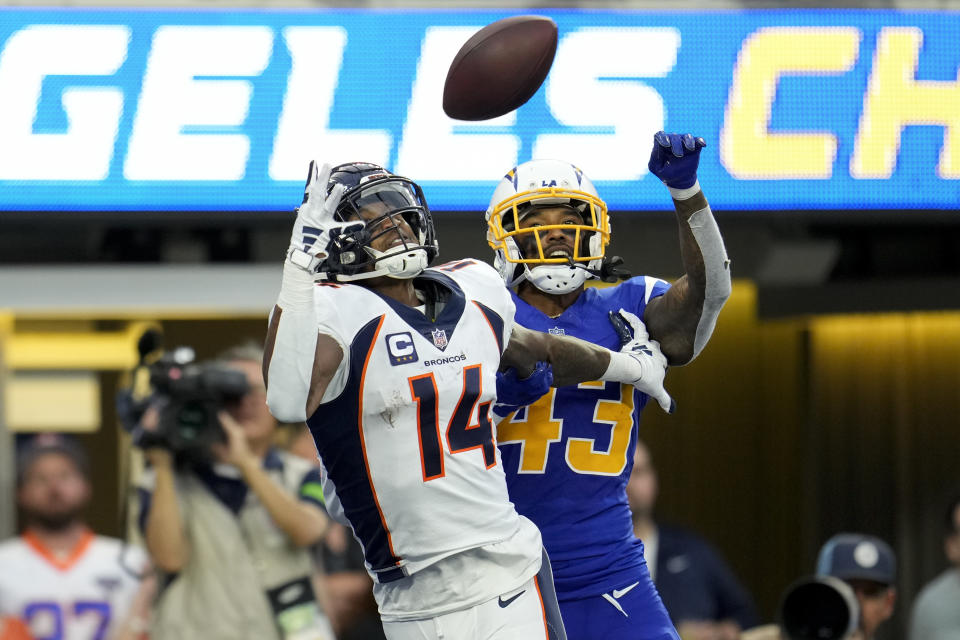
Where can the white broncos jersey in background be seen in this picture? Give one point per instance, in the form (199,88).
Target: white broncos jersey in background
(83,597)
(407,444)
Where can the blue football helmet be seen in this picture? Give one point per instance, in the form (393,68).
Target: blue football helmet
(379,202)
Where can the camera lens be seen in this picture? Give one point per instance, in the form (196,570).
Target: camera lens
(819,608)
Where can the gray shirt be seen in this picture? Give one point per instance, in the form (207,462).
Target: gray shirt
(235,558)
(936,612)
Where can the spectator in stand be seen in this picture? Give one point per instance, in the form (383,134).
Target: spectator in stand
(700,592)
(868,565)
(58,576)
(936,614)
(231,533)
(343,579)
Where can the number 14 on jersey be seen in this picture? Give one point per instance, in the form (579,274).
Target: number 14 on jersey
(460,434)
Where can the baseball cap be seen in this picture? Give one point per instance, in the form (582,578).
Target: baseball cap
(856,556)
(47,443)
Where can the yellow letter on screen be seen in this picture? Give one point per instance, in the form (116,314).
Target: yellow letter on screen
(747,148)
(895,99)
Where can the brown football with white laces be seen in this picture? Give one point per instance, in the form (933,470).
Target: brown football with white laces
(500,67)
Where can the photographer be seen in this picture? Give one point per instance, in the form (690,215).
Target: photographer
(229,527)
(850,597)
(868,565)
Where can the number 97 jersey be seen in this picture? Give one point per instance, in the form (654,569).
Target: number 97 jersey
(568,456)
(85,596)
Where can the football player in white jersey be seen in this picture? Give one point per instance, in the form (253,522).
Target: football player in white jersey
(62,580)
(393,366)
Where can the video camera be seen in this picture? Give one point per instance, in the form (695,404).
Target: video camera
(820,608)
(186,394)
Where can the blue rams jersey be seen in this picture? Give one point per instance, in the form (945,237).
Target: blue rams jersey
(568,456)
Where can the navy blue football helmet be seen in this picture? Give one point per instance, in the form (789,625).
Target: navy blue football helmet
(380,203)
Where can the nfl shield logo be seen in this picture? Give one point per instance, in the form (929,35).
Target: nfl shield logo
(108,583)
(439,338)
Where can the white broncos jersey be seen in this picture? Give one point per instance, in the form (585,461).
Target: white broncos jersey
(83,597)
(404,431)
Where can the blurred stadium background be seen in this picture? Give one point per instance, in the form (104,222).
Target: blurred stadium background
(150,157)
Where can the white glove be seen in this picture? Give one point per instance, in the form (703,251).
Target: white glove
(315,222)
(640,356)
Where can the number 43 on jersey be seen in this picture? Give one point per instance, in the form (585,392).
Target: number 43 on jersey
(540,427)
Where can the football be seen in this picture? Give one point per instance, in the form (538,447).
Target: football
(500,67)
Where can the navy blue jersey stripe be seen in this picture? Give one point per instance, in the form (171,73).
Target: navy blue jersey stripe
(337,429)
(496,323)
(548,599)
(449,316)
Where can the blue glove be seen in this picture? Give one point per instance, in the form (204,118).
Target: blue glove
(514,392)
(674,159)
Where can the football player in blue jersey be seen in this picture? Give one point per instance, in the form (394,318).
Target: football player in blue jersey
(568,454)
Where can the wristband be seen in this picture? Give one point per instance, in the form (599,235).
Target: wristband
(296,288)
(302,259)
(685,194)
(622,368)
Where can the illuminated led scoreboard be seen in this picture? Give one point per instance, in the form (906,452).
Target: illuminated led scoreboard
(210,110)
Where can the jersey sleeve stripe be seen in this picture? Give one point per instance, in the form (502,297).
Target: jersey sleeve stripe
(494,321)
(363,446)
(337,430)
(654,288)
(456,265)
(543,609)
(552,620)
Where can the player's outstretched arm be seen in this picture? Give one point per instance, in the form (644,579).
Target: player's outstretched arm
(683,319)
(574,361)
(298,361)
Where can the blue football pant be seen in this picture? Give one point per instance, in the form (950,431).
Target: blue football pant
(632,611)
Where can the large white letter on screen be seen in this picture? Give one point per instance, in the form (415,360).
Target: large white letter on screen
(579,96)
(172,99)
(303,133)
(84,150)
(436,147)
(747,148)
(896,99)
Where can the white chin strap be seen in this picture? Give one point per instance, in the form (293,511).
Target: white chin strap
(401,265)
(404,265)
(556,278)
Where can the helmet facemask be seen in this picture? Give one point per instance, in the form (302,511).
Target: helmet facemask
(521,253)
(388,207)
